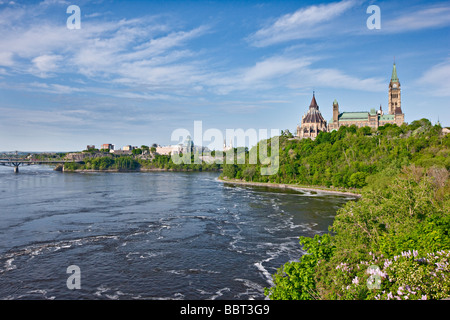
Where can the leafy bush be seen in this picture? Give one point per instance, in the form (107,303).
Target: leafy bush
(399,233)
(71,166)
(296,280)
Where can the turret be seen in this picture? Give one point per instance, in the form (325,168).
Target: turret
(395,105)
(335,111)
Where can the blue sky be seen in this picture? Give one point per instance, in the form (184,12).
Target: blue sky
(137,70)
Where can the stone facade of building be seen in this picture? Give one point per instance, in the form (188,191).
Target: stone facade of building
(313,123)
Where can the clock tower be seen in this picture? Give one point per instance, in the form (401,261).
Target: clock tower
(395,103)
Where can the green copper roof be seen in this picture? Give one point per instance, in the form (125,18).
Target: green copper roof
(335,101)
(352,116)
(386,117)
(394,77)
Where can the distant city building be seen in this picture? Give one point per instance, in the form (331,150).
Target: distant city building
(107,146)
(229,147)
(186,147)
(129,148)
(313,122)
(168,150)
(90,147)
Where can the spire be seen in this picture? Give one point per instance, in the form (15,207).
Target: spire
(394,77)
(313,104)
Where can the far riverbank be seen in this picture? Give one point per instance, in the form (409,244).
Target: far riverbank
(138,169)
(290,186)
(134,170)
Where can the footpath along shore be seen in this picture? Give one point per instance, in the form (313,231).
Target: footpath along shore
(289,186)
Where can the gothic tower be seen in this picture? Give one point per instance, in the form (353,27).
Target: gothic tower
(395,103)
(312,122)
(335,111)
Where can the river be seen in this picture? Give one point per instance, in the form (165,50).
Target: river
(153,235)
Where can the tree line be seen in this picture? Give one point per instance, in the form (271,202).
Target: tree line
(132,163)
(352,157)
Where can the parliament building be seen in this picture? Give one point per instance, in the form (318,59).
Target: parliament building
(313,122)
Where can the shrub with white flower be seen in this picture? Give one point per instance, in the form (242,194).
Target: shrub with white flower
(405,277)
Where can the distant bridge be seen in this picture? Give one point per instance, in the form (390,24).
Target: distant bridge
(16,162)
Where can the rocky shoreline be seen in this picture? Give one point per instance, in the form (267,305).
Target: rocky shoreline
(289,186)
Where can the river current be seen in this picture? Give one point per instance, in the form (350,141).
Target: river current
(154,235)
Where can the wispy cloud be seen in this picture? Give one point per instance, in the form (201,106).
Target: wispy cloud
(292,72)
(45,64)
(437,78)
(130,52)
(303,23)
(433,16)
(6,58)
(259,76)
(148,58)
(334,78)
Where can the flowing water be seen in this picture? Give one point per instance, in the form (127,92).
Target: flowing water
(155,235)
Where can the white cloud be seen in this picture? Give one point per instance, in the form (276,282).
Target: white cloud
(431,17)
(437,79)
(288,72)
(54,2)
(132,52)
(6,59)
(93,15)
(46,63)
(273,67)
(259,76)
(304,23)
(162,44)
(42,117)
(149,59)
(50,88)
(155,61)
(334,78)
(11,16)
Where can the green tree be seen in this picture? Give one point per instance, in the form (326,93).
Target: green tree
(249,173)
(357,180)
(297,280)
(126,163)
(229,171)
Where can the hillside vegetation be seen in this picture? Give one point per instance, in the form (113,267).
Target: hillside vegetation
(394,242)
(353,157)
